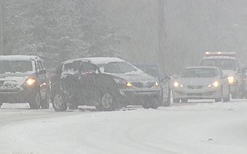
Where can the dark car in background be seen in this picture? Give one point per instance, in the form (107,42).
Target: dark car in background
(107,83)
(158,72)
(24,79)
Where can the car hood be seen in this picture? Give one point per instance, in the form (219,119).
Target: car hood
(17,79)
(229,72)
(197,81)
(135,77)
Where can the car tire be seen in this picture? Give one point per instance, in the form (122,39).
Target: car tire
(107,102)
(154,103)
(227,98)
(146,105)
(59,102)
(218,99)
(45,103)
(176,100)
(168,102)
(35,101)
(184,100)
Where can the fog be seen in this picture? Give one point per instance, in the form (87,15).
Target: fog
(57,30)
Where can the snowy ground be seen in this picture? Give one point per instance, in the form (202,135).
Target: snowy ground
(192,128)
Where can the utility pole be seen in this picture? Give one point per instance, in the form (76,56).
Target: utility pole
(1,28)
(161,31)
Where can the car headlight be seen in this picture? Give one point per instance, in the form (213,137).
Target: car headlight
(177,84)
(123,82)
(156,83)
(30,81)
(214,84)
(230,79)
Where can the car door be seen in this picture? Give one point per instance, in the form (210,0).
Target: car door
(87,79)
(163,79)
(225,84)
(43,79)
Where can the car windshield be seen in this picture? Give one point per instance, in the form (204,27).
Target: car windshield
(118,67)
(15,66)
(199,73)
(151,70)
(224,64)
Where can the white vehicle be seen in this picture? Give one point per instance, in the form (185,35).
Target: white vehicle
(230,65)
(24,79)
(200,82)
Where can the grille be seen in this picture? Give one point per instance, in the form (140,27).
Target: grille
(195,87)
(142,85)
(138,84)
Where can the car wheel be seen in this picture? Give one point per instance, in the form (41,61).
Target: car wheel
(184,100)
(168,102)
(146,105)
(218,99)
(35,101)
(227,98)
(45,103)
(58,102)
(235,94)
(107,102)
(176,100)
(154,103)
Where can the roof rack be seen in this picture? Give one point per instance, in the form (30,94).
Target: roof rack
(220,53)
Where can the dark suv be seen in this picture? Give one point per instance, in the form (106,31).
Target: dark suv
(24,79)
(156,70)
(107,83)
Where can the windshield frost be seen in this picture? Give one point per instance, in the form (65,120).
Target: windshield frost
(224,64)
(15,66)
(199,73)
(118,67)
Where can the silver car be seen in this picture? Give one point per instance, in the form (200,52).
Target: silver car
(200,82)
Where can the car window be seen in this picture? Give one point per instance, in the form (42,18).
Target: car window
(40,65)
(87,67)
(224,64)
(15,66)
(119,67)
(199,73)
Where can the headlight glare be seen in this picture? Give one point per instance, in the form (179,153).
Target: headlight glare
(214,84)
(128,84)
(30,81)
(177,84)
(230,79)
(156,83)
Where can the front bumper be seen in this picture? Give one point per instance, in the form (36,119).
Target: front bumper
(139,96)
(16,95)
(203,93)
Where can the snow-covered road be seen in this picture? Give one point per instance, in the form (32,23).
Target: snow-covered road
(193,128)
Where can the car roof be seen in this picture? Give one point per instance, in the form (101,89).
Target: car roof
(19,57)
(214,67)
(96,60)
